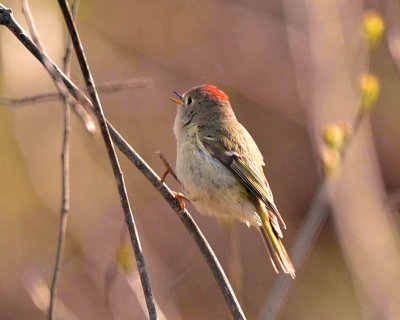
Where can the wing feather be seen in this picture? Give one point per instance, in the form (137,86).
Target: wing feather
(248,174)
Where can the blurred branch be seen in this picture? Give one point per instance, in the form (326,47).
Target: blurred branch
(310,227)
(367,228)
(83,109)
(394,199)
(105,87)
(121,264)
(64,159)
(212,261)
(318,210)
(129,219)
(39,293)
(392,14)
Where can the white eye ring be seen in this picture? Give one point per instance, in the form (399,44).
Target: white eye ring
(188,101)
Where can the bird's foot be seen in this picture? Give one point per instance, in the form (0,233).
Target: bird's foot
(180,197)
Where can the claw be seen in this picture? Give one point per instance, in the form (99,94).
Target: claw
(180,197)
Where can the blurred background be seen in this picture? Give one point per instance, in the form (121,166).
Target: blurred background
(290,69)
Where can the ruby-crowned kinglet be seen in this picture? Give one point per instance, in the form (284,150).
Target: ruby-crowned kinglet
(220,167)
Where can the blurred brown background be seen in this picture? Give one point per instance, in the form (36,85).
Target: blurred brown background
(289,67)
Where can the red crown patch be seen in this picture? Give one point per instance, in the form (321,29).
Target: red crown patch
(215,92)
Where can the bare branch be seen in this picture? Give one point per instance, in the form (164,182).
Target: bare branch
(219,274)
(105,87)
(112,156)
(65,178)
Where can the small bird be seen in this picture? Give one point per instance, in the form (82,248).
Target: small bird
(220,168)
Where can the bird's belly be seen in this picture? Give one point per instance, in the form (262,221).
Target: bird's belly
(211,187)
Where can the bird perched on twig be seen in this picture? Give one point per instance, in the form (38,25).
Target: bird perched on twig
(220,167)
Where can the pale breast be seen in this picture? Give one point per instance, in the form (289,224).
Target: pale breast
(199,171)
(212,188)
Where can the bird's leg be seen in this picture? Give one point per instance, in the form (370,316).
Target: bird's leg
(168,170)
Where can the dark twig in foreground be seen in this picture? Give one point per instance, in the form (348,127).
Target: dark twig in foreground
(112,155)
(187,220)
(106,87)
(65,177)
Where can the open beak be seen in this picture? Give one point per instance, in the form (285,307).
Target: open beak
(179,100)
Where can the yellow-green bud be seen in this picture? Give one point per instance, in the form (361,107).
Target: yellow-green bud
(373,27)
(370,89)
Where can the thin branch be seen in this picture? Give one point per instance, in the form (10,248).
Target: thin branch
(65,178)
(31,24)
(7,20)
(112,156)
(105,87)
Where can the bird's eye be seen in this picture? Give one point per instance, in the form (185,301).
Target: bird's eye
(189,101)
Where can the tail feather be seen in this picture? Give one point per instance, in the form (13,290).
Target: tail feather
(276,250)
(270,250)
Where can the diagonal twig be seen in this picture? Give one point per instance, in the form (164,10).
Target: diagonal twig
(105,87)
(7,20)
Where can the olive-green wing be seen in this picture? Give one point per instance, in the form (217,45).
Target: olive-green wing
(246,171)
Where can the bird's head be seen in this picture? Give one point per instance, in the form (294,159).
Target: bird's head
(201,105)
